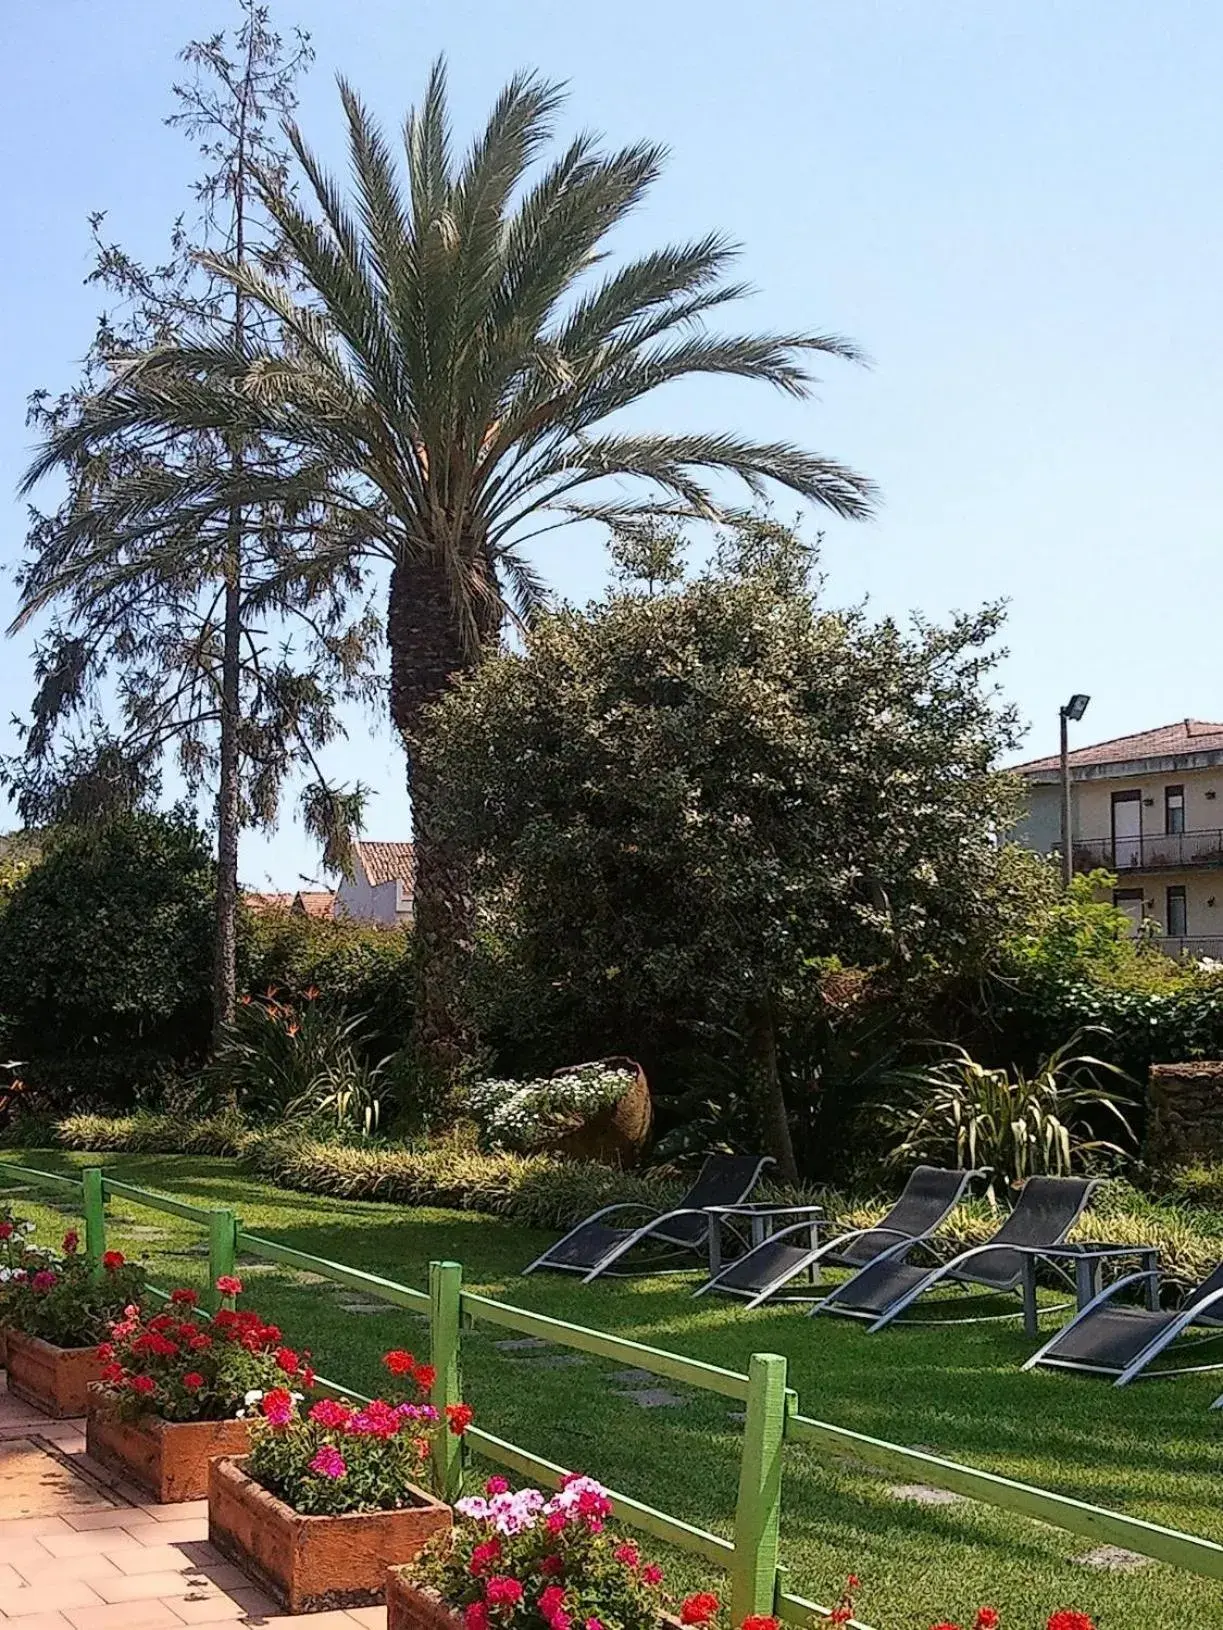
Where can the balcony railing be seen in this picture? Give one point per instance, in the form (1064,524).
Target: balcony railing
(1192,948)
(1152,852)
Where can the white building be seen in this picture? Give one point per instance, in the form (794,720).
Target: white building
(380,888)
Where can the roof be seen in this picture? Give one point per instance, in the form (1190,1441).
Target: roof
(264,903)
(386,862)
(315,902)
(1168,741)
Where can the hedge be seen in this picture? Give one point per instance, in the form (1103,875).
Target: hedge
(540,1191)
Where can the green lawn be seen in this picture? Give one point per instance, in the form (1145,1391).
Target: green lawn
(1152,1450)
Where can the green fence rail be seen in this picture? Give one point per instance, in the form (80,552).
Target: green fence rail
(771,1417)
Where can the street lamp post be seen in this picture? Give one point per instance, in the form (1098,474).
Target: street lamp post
(1074,709)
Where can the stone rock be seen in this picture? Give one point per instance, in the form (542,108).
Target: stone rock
(1184,1113)
(1113,1559)
(924,1494)
(651,1397)
(522,1344)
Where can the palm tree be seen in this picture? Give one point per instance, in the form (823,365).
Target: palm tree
(450,381)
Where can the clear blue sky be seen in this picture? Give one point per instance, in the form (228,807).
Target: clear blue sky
(1016,208)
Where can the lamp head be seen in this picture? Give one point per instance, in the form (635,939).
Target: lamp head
(1076,706)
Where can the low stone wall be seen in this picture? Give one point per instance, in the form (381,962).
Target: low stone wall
(1184,1113)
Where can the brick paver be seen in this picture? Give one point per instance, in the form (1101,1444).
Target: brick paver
(105,1558)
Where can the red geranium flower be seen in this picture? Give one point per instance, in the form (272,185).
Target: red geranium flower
(551,1566)
(288,1360)
(277,1407)
(460,1417)
(651,1574)
(484,1556)
(399,1362)
(628,1554)
(72,1241)
(112,1373)
(113,1260)
(760,1621)
(502,1591)
(1068,1619)
(185,1297)
(987,1619)
(193,1381)
(229,1284)
(6,1229)
(698,1609)
(426,1375)
(143,1384)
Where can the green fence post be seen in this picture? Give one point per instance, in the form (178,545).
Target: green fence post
(758,1509)
(222,1247)
(94,1207)
(445,1291)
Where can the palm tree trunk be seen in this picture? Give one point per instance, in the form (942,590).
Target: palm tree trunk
(427,654)
(225,944)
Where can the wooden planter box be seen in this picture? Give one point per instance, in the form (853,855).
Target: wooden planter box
(310,1564)
(412,1607)
(55,1379)
(168,1458)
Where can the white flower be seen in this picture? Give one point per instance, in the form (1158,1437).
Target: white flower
(252,1397)
(5,1275)
(28,1227)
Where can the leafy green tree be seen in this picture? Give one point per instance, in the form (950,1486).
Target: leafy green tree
(448,382)
(679,796)
(178,628)
(105,944)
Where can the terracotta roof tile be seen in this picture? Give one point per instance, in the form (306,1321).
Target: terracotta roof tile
(315,902)
(1168,741)
(263,903)
(386,862)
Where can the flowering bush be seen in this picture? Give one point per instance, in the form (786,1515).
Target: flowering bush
(173,1366)
(522,1561)
(525,1114)
(339,1457)
(60,1299)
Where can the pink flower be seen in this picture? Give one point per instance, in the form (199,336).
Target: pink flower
(475,1616)
(328,1462)
(483,1557)
(594,1624)
(502,1591)
(72,1242)
(277,1407)
(496,1485)
(628,1554)
(551,1600)
(44,1279)
(651,1574)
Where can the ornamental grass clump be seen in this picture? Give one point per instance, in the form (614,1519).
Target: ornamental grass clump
(338,1457)
(175,1366)
(524,1561)
(65,1299)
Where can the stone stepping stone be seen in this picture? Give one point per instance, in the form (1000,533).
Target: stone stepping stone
(552,1361)
(522,1344)
(367,1309)
(633,1378)
(651,1397)
(141,1231)
(737,1415)
(925,1494)
(1113,1559)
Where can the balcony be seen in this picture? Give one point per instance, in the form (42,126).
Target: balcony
(1152,852)
(1193,948)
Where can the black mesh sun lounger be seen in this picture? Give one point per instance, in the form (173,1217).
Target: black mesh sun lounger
(929,1197)
(1119,1340)
(1047,1209)
(596,1245)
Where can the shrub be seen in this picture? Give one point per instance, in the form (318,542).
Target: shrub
(169,1365)
(528,1114)
(966,1115)
(148,1133)
(106,949)
(60,1300)
(339,1458)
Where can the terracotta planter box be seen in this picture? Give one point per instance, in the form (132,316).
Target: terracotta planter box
(3,1347)
(168,1458)
(55,1379)
(310,1564)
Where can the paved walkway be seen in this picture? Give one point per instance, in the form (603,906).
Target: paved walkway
(81,1551)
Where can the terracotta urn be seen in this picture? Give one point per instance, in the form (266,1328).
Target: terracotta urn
(54,1379)
(310,1564)
(618,1134)
(167,1458)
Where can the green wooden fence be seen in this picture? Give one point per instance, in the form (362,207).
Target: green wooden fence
(772,1417)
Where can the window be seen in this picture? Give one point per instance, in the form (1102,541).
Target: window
(1131,902)
(1174,810)
(1178,913)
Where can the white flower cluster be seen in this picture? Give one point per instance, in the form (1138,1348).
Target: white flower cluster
(525,1114)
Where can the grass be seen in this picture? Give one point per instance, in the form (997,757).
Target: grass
(1152,1451)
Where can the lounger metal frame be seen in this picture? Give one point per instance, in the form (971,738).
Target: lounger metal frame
(828,1248)
(1022,1281)
(655,1228)
(1190,1315)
